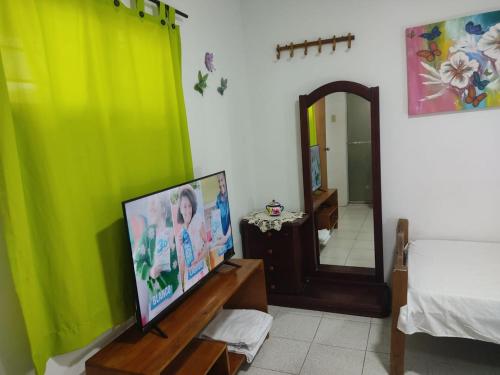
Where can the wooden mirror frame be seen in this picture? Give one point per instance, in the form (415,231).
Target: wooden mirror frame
(311,258)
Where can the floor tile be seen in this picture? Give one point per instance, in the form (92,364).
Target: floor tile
(334,261)
(363,244)
(252,370)
(273,310)
(346,235)
(386,321)
(365,236)
(295,326)
(280,354)
(379,339)
(376,364)
(340,243)
(343,333)
(362,254)
(350,227)
(335,252)
(367,263)
(301,311)
(352,318)
(327,360)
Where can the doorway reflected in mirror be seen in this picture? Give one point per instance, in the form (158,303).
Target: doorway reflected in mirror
(340,129)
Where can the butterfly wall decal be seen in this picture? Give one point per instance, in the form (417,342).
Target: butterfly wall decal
(202,83)
(435,32)
(223,86)
(474,29)
(472,98)
(431,53)
(476,81)
(209,61)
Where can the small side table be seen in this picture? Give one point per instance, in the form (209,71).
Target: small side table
(281,251)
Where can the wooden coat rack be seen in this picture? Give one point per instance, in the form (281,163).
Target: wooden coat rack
(320,42)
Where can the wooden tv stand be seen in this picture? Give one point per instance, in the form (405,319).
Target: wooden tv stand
(182,353)
(325,207)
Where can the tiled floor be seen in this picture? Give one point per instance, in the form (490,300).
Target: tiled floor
(310,342)
(352,243)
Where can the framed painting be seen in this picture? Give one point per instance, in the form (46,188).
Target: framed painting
(454,65)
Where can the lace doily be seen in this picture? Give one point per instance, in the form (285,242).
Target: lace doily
(266,222)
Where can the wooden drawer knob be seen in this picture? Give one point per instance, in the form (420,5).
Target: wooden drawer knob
(273,286)
(269,234)
(271,268)
(269,251)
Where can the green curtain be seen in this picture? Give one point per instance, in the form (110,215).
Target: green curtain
(311,117)
(91,114)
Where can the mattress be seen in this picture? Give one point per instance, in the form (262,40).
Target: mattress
(453,290)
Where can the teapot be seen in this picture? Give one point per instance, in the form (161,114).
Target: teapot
(275,208)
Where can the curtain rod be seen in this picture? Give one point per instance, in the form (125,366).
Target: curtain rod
(182,14)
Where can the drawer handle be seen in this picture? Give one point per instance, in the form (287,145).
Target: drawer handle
(269,251)
(269,234)
(271,268)
(273,286)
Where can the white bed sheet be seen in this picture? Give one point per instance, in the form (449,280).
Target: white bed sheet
(453,290)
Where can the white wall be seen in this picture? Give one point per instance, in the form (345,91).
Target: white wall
(219,134)
(440,171)
(336,141)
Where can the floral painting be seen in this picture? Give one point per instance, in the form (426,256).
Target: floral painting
(454,65)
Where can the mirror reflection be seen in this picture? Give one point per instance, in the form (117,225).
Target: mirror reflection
(341,168)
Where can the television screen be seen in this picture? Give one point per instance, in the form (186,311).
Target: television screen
(315,168)
(177,237)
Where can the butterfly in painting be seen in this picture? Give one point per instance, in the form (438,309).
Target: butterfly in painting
(223,86)
(432,35)
(410,34)
(476,80)
(472,98)
(488,73)
(202,82)
(431,53)
(474,29)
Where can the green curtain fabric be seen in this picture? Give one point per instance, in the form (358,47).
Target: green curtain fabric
(311,117)
(91,114)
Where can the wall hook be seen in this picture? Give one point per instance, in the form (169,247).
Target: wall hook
(319,45)
(305,47)
(334,43)
(278,54)
(349,38)
(291,49)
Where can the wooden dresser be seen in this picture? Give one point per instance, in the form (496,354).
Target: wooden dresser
(281,251)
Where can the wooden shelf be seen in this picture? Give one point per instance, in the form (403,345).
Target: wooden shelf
(198,358)
(322,197)
(134,352)
(235,362)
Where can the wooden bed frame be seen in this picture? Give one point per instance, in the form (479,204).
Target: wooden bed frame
(399,296)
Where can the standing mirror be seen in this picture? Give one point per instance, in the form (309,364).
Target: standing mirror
(341,176)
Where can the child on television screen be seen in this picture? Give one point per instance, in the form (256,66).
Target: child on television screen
(191,237)
(222,204)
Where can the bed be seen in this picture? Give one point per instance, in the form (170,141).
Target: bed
(443,288)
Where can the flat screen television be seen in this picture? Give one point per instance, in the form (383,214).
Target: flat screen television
(315,168)
(178,236)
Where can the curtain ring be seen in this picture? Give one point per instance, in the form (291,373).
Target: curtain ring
(278,55)
(334,43)
(319,45)
(291,49)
